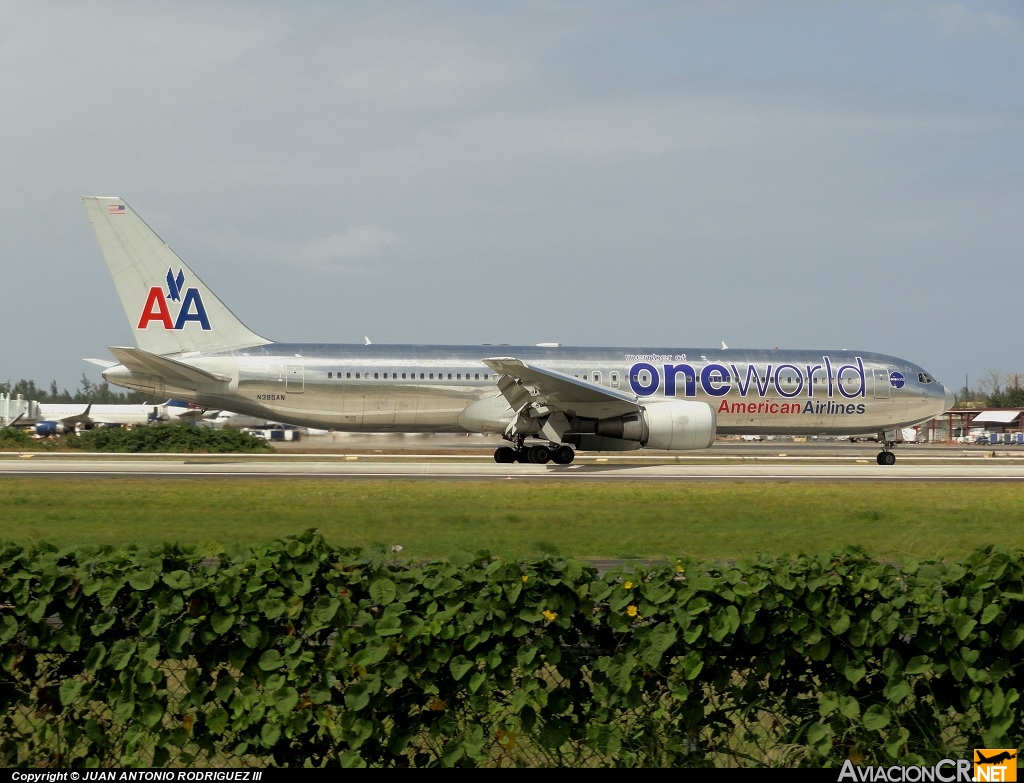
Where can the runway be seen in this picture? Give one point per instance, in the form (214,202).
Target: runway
(481,468)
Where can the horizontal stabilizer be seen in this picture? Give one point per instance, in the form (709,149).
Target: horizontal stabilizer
(101,363)
(143,362)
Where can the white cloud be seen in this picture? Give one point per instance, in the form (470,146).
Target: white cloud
(354,249)
(957,20)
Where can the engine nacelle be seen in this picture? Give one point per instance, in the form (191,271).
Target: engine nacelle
(50,428)
(673,425)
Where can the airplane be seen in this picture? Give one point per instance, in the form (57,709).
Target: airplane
(60,417)
(231,420)
(55,418)
(998,758)
(546,400)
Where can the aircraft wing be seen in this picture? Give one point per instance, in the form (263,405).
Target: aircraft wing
(521,383)
(78,418)
(191,414)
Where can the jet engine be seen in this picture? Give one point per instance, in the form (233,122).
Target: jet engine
(673,425)
(51,428)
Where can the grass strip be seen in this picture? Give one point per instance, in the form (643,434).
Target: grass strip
(434,519)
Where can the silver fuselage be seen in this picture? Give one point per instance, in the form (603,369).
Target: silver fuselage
(415,388)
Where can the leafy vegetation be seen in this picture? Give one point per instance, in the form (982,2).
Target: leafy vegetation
(176,438)
(16,438)
(87,392)
(294,653)
(990,392)
(153,438)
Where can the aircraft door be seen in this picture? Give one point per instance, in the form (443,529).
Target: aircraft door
(881,376)
(295,378)
(352,410)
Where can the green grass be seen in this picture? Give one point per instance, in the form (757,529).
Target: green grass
(520,519)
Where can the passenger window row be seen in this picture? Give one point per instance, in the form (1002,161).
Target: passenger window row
(595,377)
(410,376)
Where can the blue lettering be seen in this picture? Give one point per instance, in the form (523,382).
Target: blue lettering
(192,298)
(859,369)
(640,389)
(716,380)
(689,379)
(811,369)
(715,385)
(760,382)
(799,380)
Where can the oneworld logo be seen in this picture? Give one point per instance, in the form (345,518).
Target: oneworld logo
(190,305)
(780,380)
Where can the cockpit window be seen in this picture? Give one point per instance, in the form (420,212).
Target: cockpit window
(924,377)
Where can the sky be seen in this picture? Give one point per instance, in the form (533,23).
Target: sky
(637,174)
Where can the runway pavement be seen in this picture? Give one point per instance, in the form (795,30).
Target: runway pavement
(749,463)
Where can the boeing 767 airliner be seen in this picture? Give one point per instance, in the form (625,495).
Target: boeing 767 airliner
(545,400)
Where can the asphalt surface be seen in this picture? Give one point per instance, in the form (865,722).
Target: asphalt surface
(454,458)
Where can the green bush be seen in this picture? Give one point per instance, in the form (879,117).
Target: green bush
(15,438)
(297,654)
(172,438)
(153,438)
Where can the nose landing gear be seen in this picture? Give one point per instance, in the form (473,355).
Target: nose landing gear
(885,456)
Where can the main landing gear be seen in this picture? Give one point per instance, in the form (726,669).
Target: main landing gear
(535,455)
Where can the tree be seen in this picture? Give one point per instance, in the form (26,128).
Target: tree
(1008,398)
(996,396)
(86,393)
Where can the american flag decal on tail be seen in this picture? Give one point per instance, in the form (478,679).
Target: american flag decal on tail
(116,209)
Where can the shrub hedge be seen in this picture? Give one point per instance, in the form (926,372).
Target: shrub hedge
(295,653)
(152,438)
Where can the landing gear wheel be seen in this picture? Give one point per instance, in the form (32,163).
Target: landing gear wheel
(539,455)
(885,458)
(504,455)
(563,455)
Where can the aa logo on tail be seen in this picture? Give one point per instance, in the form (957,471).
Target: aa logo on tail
(191,306)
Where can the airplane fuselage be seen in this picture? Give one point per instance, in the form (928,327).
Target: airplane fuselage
(413,388)
(192,347)
(98,414)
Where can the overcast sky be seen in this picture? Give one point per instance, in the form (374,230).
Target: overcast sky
(636,174)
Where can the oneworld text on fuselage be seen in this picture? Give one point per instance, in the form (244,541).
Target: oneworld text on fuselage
(787,380)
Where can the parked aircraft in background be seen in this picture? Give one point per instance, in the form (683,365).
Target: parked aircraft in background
(59,417)
(231,420)
(192,347)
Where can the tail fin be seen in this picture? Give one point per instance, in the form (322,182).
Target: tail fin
(168,307)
